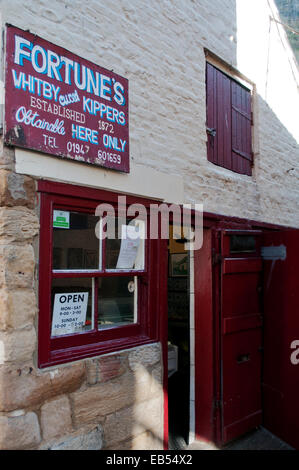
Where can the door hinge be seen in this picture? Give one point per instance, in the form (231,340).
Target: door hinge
(217,404)
(216,258)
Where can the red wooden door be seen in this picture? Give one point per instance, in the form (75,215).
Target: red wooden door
(281,335)
(240,333)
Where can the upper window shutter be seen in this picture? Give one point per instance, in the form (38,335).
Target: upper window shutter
(241,129)
(228,122)
(211,113)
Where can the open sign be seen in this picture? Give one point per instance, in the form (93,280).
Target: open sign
(69,313)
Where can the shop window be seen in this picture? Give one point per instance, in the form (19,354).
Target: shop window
(96,277)
(229,121)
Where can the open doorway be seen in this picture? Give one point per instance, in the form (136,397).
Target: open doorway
(178,342)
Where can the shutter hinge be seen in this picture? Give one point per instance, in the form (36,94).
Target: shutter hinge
(211,131)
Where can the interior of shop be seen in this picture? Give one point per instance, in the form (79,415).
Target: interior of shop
(178,342)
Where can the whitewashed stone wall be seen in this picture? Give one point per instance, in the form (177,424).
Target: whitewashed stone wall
(159,47)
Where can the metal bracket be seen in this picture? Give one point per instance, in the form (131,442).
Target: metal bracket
(211,131)
(274,252)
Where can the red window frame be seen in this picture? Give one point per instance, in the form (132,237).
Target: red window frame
(58,350)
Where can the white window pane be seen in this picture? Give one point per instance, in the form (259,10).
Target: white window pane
(125,244)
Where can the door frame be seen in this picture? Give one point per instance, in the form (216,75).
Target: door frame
(242,257)
(206,312)
(208,347)
(164,340)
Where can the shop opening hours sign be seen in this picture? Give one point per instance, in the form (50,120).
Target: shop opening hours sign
(63,105)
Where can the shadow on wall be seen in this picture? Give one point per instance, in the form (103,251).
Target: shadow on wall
(276,169)
(265,57)
(110,402)
(122,398)
(139,424)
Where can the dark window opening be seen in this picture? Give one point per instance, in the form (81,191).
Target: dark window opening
(242,244)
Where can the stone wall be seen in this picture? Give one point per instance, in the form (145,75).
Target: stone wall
(110,402)
(75,406)
(159,47)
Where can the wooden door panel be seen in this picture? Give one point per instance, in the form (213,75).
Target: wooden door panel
(240,294)
(242,378)
(241,338)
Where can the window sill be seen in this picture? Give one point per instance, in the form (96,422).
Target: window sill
(224,173)
(64,356)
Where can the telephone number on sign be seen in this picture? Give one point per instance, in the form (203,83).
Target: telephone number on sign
(109,157)
(77,148)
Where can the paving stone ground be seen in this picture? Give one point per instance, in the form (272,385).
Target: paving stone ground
(260,439)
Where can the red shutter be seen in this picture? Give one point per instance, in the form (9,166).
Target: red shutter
(241,129)
(211,113)
(228,122)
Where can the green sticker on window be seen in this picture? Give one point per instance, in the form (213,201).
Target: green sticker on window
(61,219)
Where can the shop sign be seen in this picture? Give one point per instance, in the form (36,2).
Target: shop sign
(69,313)
(130,240)
(63,105)
(61,219)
